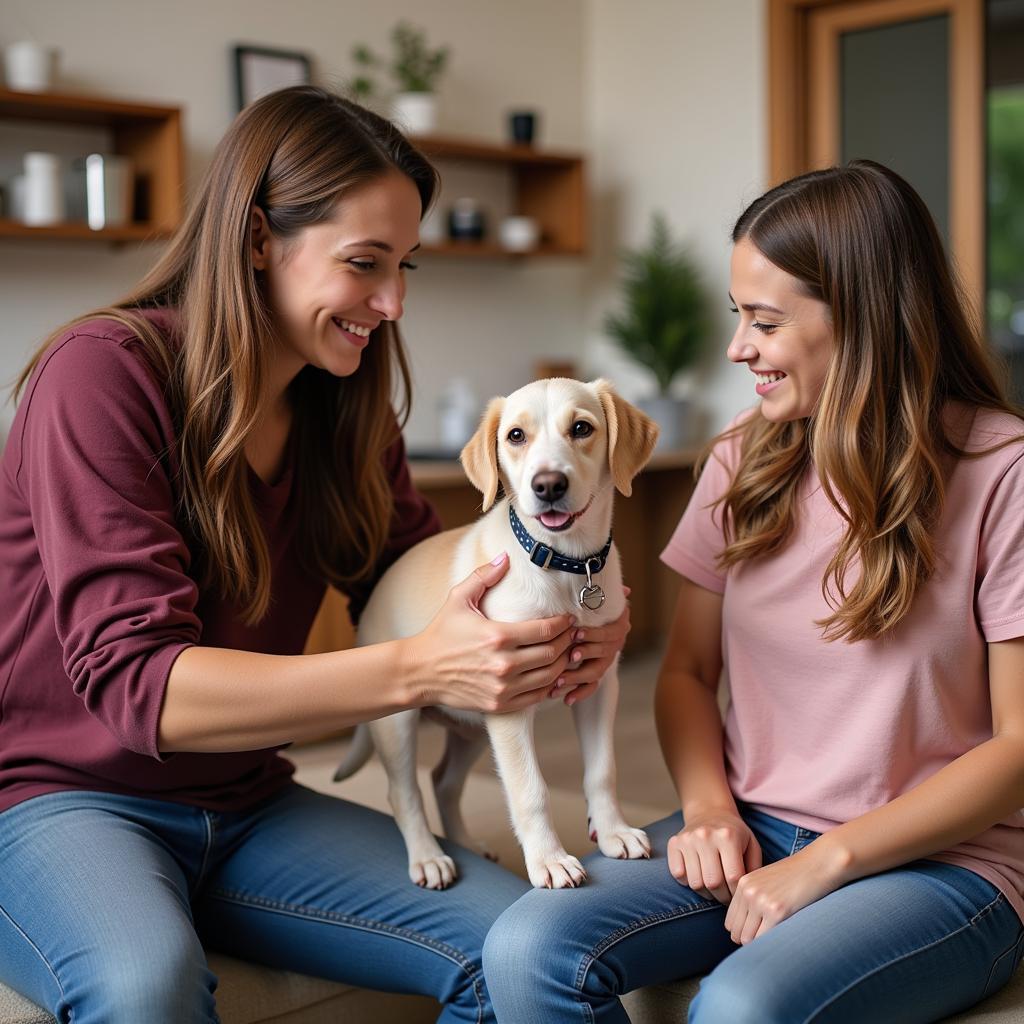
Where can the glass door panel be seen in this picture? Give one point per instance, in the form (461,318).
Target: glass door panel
(894,104)
(1005,192)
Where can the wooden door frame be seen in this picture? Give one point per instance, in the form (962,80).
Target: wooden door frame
(800,47)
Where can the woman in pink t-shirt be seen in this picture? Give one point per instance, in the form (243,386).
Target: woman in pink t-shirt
(850,845)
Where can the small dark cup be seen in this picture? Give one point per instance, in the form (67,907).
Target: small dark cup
(465,221)
(522,124)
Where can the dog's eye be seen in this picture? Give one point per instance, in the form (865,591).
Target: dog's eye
(516,436)
(581,428)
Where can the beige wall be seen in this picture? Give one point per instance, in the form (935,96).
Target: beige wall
(676,107)
(664,94)
(491,320)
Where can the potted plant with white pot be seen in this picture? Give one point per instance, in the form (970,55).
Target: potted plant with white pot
(664,325)
(415,68)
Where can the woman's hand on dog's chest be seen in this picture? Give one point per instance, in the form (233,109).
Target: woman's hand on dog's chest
(594,650)
(464,660)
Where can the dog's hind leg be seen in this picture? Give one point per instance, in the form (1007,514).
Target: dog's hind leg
(395,739)
(462,749)
(595,719)
(548,863)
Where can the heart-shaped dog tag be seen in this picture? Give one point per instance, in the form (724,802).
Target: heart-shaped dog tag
(591,597)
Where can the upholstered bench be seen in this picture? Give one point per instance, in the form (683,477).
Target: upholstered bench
(257,995)
(248,994)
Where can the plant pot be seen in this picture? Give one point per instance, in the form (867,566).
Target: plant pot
(415,112)
(674,417)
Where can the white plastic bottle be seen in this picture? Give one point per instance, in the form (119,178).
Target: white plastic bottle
(458,410)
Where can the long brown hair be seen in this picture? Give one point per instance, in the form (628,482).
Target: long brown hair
(294,154)
(861,240)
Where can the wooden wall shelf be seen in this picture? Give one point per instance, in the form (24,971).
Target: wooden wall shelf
(491,250)
(449,147)
(548,186)
(149,135)
(74,231)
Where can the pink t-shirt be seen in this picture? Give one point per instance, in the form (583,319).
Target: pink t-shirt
(818,733)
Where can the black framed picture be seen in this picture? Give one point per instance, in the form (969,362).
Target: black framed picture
(259,70)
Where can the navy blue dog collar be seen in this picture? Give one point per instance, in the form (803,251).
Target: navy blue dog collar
(548,558)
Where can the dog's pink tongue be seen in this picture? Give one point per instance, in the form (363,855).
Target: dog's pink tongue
(553,520)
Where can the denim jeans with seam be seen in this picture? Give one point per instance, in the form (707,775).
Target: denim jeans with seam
(913,944)
(106,902)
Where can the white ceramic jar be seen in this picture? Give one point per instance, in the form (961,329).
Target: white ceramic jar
(29,66)
(519,234)
(415,112)
(44,189)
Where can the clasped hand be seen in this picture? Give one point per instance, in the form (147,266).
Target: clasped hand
(718,857)
(477,664)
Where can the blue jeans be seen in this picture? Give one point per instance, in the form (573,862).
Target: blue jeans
(912,944)
(104,901)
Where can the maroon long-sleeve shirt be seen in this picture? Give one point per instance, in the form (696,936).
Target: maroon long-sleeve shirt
(97,596)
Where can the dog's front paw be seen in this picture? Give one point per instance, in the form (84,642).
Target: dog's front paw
(559,871)
(433,872)
(624,843)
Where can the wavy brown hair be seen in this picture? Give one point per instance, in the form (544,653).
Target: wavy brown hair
(295,154)
(861,240)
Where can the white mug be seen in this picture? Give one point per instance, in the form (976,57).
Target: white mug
(44,189)
(30,67)
(519,234)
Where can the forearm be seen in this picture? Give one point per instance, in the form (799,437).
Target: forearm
(221,700)
(690,731)
(970,794)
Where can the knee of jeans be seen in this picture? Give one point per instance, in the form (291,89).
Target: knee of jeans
(538,953)
(526,941)
(173,987)
(737,998)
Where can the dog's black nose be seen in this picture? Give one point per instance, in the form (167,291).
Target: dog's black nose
(550,486)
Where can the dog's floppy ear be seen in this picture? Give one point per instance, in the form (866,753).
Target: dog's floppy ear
(631,437)
(480,456)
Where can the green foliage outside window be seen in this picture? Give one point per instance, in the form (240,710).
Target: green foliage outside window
(1005,213)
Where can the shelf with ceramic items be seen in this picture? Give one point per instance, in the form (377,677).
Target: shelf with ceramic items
(548,186)
(147,134)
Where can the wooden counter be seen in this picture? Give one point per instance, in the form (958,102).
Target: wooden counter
(643,524)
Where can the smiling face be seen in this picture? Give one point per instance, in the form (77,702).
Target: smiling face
(784,335)
(332,284)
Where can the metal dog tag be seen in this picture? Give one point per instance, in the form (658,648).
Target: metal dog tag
(591,596)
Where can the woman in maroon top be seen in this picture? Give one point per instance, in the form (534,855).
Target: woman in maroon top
(186,473)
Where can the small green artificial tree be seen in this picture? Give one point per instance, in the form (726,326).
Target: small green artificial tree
(666,321)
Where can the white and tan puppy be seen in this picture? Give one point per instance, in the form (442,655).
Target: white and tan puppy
(560,448)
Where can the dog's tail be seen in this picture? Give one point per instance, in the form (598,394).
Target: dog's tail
(358,753)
